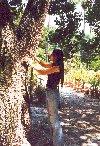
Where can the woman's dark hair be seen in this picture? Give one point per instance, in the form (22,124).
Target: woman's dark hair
(59,55)
(59,61)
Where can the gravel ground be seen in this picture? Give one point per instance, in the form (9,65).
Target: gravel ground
(80,120)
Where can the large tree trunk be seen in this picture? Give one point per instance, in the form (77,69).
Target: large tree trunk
(14,46)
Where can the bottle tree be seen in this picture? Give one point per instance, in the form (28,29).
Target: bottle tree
(16,44)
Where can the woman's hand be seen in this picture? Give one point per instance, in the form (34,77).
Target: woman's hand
(37,60)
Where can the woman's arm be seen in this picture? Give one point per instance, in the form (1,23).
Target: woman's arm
(44,64)
(48,71)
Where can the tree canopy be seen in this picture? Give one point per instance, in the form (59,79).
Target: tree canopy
(68,25)
(68,36)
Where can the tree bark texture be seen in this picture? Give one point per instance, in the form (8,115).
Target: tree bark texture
(16,44)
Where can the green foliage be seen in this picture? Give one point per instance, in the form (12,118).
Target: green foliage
(75,69)
(57,6)
(93,17)
(93,13)
(17,9)
(68,24)
(87,46)
(82,75)
(92,47)
(76,61)
(87,49)
(45,46)
(95,64)
(94,80)
(94,83)
(67,35)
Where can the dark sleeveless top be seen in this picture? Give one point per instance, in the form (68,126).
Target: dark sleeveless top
(53,79)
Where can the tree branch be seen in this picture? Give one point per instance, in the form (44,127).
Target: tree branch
(5,14)
(29,30)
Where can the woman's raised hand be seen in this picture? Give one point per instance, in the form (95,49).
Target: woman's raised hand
(35,59)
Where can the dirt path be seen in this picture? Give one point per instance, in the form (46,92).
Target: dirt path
(80,120)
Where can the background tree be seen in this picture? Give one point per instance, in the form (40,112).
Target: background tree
(90,46)
(45,45)
(68,36)
(68,24)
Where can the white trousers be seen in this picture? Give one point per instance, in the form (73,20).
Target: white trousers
(52,107)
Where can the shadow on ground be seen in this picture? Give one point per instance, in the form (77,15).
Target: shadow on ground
(80,120)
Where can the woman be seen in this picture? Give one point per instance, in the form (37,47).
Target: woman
(55,72)
(55,69)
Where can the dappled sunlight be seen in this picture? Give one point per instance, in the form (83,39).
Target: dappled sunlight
(24,114)
(79,116)
(81,121)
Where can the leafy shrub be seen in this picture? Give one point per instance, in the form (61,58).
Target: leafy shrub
(95,80)
(95,64)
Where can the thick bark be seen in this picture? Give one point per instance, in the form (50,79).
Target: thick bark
(29,31)
(17,46)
